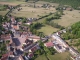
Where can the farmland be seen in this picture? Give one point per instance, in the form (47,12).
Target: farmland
(11,2)
(69,18)
(29,11)
(3,12)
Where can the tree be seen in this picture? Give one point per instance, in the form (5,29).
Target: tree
(24,20)
(8,41)
(26,0)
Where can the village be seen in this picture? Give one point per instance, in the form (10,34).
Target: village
(21,40)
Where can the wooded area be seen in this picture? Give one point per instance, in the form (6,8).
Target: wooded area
(73,32)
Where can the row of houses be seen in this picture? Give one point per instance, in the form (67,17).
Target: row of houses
(61,46)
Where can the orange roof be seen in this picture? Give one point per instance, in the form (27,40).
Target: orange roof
(49,44)
(15,26)
(33,48)
(6,37)
(5,56)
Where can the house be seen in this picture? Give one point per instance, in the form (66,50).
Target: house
(20,58)
(28,23)
(26,58)
(30,55)
(59,48)
(60,40)
(5,56)
(27,43)
(12,57)
(6,37)
(64,30)
(69,9)
(15,26)
(34,38)
(13,20)
(6,25)
(17,33)
(19,23)
(58,33)
(78,57)
(33,49)
(73,51)
(48,44)
(74,54)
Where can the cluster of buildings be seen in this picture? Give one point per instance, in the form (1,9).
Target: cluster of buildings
(61,46)
(20,42)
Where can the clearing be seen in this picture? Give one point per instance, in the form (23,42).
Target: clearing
(47,30)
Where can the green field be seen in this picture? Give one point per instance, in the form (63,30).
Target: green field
(58,56)
(69,18)
(47,30)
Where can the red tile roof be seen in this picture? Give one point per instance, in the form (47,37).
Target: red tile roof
(31,55)
(33,48)
(34,37)
(48,44)
(12,18)
(6,37)
(5,56)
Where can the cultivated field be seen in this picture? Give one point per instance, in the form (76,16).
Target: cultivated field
(11,2)
(32,12)
(69,18)
(3,12)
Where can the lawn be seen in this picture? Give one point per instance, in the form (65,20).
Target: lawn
(47,30)
(42,57)
(58,56)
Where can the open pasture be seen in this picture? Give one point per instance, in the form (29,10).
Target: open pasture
(32,12)
(3,12)
(28,10)
(69,18)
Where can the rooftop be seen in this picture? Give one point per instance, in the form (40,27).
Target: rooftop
(48,44)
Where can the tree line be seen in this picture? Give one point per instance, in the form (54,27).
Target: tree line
(73,32)
(74,3)
(49,21)
(34,27)
(44,51)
